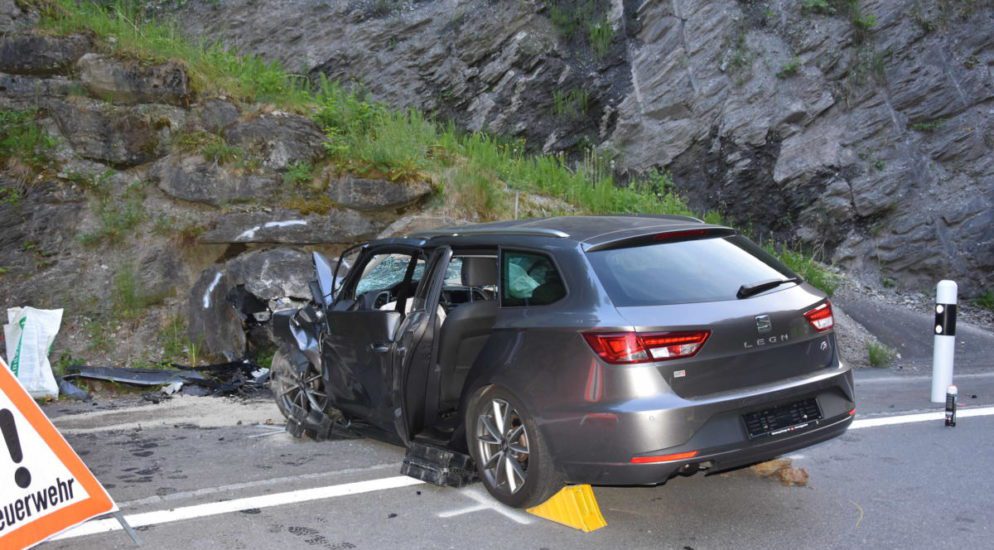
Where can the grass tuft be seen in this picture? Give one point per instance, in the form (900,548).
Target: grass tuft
(879,355)
(986,300)
(23,140)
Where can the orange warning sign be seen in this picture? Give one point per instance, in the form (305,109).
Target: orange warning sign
(44,486)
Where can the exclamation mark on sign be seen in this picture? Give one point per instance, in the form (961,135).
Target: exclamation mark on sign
(9,430)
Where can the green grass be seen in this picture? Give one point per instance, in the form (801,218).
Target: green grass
(986,300)
(211,146)
(789,69)
(927,126)
(570,104)
(212,69)
(583,20)
(804,265)
(117,217)
(879,355)
(129,297)
(298,174)
(821,7)
(23,140)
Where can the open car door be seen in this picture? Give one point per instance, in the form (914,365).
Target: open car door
(414,345)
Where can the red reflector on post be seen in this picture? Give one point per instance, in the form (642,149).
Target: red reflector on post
(821,318)
(663,458)
(631,347)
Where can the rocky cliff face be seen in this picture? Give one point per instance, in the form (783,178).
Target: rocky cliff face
(863,129)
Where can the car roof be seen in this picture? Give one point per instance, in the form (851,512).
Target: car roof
(583,229)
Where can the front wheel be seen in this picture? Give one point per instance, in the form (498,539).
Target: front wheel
(511,458)
(301,394)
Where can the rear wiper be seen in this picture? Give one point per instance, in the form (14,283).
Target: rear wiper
(752,289)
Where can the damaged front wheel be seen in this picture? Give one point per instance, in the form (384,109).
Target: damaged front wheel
(301,394)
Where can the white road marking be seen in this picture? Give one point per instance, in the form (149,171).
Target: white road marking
(183,495)
(216,508)
(920,417)
(486,502)
(917,378)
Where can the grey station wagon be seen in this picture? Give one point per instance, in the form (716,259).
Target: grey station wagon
(606,350)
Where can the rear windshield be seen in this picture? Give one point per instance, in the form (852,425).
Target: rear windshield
(704,270)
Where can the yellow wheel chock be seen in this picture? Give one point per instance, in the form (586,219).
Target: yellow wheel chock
(574,506)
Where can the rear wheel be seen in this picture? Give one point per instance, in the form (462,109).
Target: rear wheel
(512,459)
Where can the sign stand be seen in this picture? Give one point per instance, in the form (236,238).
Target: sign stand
(127,528)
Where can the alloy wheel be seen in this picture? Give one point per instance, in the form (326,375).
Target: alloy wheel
(298,390)
(502,442)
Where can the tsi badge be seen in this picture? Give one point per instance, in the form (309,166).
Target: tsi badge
(764,325)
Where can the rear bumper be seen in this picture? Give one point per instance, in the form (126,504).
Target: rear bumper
(597,447)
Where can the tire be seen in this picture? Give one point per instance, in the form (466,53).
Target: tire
(511,457)
(300,393)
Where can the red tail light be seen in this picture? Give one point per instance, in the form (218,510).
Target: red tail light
(821,317)
(631,347)
(663,458)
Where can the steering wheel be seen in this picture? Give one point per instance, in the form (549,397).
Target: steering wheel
(383,298)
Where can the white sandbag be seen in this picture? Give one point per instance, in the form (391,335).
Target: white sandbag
(29,335)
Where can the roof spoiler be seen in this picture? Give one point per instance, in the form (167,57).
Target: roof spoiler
(667,235)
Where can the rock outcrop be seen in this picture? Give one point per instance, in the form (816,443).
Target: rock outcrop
(861,129)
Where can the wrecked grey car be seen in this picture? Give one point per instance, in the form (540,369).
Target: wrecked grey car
(603,350)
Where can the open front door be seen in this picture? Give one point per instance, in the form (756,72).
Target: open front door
(414,345)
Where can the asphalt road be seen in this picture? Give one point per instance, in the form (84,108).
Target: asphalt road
(914,485)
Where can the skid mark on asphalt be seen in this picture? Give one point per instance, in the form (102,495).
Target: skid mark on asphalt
(486,502)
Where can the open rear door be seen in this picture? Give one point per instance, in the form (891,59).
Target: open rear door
(413,348)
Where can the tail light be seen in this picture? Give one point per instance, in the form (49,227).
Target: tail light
(631,347)
(821,317)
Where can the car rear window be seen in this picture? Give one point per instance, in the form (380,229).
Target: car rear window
(703,270)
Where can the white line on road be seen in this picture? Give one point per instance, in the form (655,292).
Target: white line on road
(486,502)
(916,378)
(263,501)
(920,417)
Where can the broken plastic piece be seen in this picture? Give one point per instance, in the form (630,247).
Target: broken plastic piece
(71,391)
(574,506)
(438,466)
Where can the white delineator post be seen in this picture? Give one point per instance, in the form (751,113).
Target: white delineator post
(945,339)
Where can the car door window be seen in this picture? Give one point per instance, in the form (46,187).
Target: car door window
(529,279)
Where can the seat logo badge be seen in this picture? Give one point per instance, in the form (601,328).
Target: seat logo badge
(764,324)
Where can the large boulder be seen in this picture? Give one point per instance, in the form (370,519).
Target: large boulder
(131,82)
(290,227)
(239,296)
(39,54)
(196,179)
(117,135)
(279,139)
(370,194)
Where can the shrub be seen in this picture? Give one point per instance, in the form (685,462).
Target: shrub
(986,300)
(130,299)
(789,69)
(880,355)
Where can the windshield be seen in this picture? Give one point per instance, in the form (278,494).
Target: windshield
(703,270)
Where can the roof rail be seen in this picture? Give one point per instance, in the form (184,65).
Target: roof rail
(517,231)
